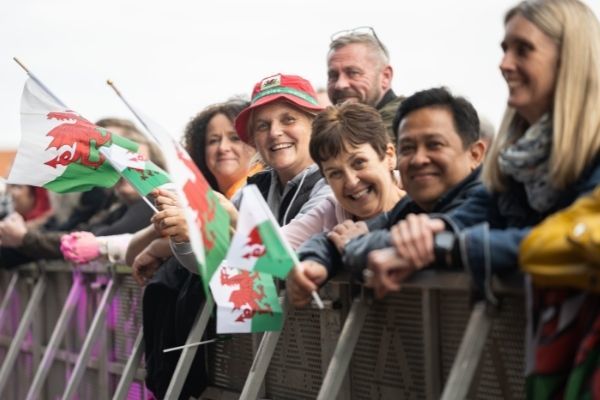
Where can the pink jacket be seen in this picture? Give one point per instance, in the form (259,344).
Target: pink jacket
(324,216)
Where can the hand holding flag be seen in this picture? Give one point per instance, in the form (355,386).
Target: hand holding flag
(258,244)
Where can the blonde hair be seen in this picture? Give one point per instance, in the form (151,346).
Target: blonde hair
(576,105)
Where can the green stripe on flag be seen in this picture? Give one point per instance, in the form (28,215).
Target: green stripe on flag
(79,178)
(124,142)
(147,179)
(267,321)
(217,240)
(277,261)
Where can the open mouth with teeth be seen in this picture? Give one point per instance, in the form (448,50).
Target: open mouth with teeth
(281,146)
(361,194)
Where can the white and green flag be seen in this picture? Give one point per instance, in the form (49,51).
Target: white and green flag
(141,173)
(246,301)
(258,244)
(60,150)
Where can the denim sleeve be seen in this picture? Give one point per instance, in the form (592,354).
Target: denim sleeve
(476,209)
(356,252)
(485,252)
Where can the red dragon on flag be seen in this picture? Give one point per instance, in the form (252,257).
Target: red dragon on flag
(246,295)
(254,246)
(79,136)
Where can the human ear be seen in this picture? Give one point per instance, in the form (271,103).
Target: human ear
(390,154)
(477,153)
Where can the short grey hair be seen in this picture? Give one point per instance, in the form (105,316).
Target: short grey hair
(375,45)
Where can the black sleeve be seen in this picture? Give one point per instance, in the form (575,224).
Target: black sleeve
(356,252)
(320,249)
(136,217)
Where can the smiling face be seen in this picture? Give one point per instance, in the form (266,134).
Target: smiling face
(529,66)
(281,134)
(227,157)
(431,155)
(353,74)
(362,181)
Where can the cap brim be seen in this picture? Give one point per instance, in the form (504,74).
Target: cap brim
(241,122)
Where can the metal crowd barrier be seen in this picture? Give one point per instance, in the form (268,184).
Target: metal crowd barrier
(426,342)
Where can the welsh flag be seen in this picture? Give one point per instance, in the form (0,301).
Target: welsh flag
(246,301)
(207,219)
(59,149)
(258,244)
(141,173)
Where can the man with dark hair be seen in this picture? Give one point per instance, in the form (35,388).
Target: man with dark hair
(439,153)
(358,69)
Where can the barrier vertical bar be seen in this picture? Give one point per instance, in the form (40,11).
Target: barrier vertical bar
(10,291)
(431,343)
(343,350)
(187,354)
(262,359)
(15,346)
(57,336)
(130,368)
(469,353)
(90,338)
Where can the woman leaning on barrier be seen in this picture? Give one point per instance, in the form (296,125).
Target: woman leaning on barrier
(545,157)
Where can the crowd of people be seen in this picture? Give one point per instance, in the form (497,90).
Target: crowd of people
(381,186)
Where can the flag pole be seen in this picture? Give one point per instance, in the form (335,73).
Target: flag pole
(189,345)
(40,84)
(110,83)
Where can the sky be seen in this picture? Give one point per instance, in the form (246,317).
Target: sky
(172,59)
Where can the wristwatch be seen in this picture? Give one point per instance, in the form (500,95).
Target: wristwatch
(443,247)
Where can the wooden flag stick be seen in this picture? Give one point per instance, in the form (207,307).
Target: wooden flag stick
(40,84)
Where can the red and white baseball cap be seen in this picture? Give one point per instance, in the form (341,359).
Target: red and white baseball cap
(295,89)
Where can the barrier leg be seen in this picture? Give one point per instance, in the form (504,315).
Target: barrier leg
(130,367)
(187,354)
(57,336)
(10,291)
(261,361)
(344,350)
(91,337)
(469,354)
(15,346)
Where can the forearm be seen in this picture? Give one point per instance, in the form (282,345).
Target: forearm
(140,240)
(356,251)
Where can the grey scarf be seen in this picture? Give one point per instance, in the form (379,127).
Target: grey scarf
(527,161)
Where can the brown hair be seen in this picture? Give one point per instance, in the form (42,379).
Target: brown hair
(194,138)
(351,124)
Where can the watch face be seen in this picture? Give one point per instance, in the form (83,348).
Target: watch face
(444,240)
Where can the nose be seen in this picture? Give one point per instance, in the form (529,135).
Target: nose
(507,64)
(351,179)
(420,157)
(275,130)
(341,82)
(224,144)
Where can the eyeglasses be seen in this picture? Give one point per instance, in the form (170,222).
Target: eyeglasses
(361,30)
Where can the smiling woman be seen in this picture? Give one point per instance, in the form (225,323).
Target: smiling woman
(278,123)
(217,150)
(351,146)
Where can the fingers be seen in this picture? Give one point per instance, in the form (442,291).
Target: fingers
(303,280)
(171,222)
(164,199)
(342,233)
(413,239)
(388,269)
(143,268)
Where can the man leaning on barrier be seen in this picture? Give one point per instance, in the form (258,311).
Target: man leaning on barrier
(439,153)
